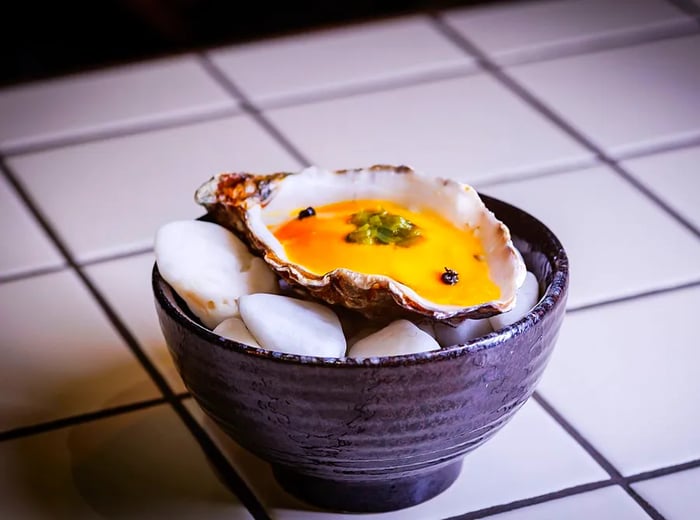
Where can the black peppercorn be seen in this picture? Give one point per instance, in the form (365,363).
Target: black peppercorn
(449,277)
(308,212)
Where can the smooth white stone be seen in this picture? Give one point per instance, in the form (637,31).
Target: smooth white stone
(465,331)
(285,324)
(235,329)
(526,298)
(398,338)
(210,268)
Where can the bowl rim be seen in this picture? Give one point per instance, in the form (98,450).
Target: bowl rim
(555,294)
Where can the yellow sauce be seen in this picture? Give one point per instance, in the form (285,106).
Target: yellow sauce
(318,243)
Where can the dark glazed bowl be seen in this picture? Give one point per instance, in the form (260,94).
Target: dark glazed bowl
(376,434)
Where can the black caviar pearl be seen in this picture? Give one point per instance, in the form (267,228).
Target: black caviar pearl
(449,277)
(308,212)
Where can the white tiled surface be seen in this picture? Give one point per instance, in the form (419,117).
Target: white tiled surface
(628,99)
(623,374)
(673,176)
(121,97)
(469,128)
(141,464)
(113,193)
(536,30)
(17,226)
(328,61)
(675,495)
(60,355)
(127,285)
(630,389)
(598,217)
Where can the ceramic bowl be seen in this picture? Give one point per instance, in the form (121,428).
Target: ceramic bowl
(377,434)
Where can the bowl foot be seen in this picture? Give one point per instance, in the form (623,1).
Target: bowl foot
(368,496)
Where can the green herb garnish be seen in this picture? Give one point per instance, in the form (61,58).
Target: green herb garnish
(382,228)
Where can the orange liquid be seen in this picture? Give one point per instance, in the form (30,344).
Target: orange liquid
(318,243)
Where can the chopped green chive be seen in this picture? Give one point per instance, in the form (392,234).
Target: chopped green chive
(382,228)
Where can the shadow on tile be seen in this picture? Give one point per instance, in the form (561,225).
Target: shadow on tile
(140,464)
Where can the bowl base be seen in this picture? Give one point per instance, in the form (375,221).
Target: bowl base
(368,496)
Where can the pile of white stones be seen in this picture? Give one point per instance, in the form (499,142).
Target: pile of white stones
(236,295)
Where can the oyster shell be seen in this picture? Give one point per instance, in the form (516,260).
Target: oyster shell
(253,205)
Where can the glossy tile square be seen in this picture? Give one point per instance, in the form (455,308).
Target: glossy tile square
(143,464)
(675,496)
(60,355)
(531,456)
(332,61)
(673,177)
(530,31)
(609,503)
(625,376)
(624,100)
(114,194)
(126,284)
(469,128)
(616,239)
(25,245)
(121,97)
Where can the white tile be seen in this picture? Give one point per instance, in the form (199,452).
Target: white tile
(26,246)
(332,60)
(468,128)
(104,100)
(610,503)
(60,355)
(114,194)
(139,465)
(531,456)
(536,30)
(627,99)
(675,496)
(618,242)
(625,375)
(673,176)
(126,283)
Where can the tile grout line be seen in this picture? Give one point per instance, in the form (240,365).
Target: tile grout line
(82,418)
(24,275)
(217,459)
(31,273)
(602,461)
(634,297)
(118,132)
(249,108)
(662,472)
(534,102)
(531,501)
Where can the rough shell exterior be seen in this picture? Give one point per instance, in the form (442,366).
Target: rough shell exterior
(239,201)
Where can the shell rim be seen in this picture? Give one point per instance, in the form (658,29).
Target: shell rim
(555,294)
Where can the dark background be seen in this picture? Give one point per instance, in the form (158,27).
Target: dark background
(40,39)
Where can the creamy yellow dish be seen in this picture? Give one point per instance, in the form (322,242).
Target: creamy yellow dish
(420,249)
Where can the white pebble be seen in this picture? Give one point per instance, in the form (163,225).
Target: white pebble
(526,298)
(210,268)
(465,331)
(397,338)
(235,329)
(285,324)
